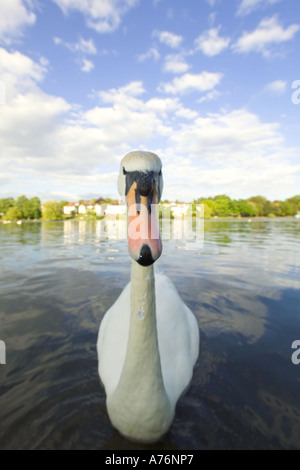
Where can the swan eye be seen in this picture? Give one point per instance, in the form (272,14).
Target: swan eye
(159,174)
(124,171)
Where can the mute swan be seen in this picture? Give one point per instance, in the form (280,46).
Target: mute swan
(148,340)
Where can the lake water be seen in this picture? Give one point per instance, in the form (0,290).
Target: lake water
(58,279)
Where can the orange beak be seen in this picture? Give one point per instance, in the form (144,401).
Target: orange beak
(144,242)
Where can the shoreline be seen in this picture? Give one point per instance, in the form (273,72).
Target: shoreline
(89,219)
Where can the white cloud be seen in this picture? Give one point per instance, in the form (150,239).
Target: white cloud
(50,146)
(278,87)
(268,33)
(46,141)
(87,47)
(212,18)
(237,181)
(248,6)
(28,124)
(29,150)
(228,152)
(152,53)
(30,117)
(163,106)
(20,67)
(19,72)
(132,89)
(169,39)
(82,45)
(175,63)
(104,16)
(211,95)
(15,15)
(210,43)
(186,113)
(240,132)
(86,65)
(188,83)
(38,135)
(128,119)
(58,41)
(81,48)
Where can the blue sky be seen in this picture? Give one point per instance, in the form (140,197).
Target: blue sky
(206,84)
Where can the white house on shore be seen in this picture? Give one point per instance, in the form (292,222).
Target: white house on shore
(70,209)
(115,209)
(102,209)
(82,209)
(99,207)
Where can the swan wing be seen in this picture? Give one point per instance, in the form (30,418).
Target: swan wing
(178,338)
(112,341)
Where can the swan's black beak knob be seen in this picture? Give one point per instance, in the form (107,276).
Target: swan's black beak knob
(145,257)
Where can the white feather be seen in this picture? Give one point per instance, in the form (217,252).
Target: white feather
(178,339)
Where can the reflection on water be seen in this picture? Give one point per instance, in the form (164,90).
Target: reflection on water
(57,279)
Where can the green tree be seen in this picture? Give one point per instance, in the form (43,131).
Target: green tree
(223,205)
(295,203)
(209,203)
(259,204)
(208,211)
(23,206)
(286,208)
(5,204)
(52,210)
(271,209)
(34,208)
(234,208)
(245,208)
(30,208)
(13,213)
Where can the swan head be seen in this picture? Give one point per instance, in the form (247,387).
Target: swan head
(140,181)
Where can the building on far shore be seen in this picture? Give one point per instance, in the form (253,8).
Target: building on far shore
(98,207)
(70,209)
(115,209)
(101,208)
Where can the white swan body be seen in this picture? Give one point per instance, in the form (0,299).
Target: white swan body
(147,347)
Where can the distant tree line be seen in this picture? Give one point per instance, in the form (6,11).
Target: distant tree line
(257,206)
(221,206)
(29,209)
(22,208)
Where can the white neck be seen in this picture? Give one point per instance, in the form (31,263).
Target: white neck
(140,407)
